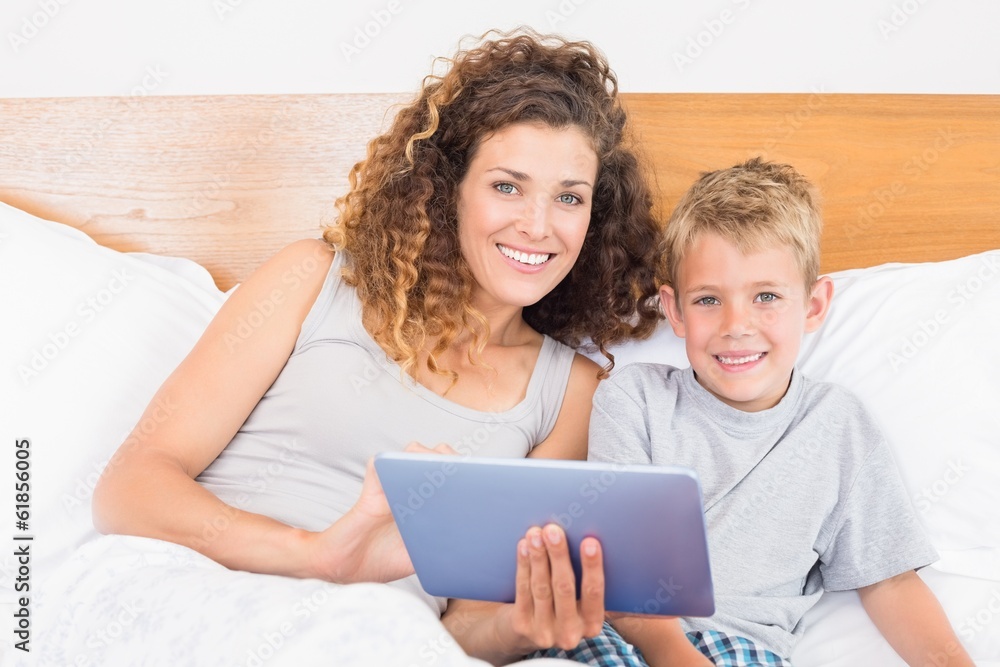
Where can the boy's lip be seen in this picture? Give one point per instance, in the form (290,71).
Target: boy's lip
(739,359)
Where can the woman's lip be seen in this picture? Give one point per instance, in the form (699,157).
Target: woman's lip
(521,249)
(521,266)
(525,268)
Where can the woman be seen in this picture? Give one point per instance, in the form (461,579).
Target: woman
(500,222)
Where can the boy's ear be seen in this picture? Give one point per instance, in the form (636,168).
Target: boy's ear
(819,303)
(672,310)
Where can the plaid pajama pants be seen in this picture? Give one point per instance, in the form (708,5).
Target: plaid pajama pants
(608,649)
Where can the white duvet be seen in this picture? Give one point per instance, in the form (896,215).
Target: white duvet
(130,601)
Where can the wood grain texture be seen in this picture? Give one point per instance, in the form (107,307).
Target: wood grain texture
(223,180)
(903,178)
(228,180)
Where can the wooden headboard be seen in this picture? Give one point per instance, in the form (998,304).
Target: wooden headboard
(228,180)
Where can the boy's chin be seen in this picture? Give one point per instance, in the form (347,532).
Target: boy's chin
(746,398)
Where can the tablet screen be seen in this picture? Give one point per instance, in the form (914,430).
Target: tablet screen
(462,517)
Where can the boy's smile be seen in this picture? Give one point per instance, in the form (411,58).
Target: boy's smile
(742,317)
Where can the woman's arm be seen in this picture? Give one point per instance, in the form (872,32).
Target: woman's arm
(911,619)
(568,439)
(148,487)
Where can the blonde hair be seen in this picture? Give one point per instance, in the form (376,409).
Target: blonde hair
(754,205)
(399,226)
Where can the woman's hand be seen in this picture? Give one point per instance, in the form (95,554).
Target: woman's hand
(546,612)
(365,544)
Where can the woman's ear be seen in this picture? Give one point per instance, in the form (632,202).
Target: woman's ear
(673,312)
(819,303)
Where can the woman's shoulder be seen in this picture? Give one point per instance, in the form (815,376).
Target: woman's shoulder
(289,281)
(303,262)
(576,367)
(296,272)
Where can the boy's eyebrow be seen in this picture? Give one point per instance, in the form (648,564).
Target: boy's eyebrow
(521,176)
(701,288)
(715,288)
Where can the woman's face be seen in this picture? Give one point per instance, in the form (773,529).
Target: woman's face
(523,211)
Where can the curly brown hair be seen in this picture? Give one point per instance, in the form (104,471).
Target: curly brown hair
(398,221)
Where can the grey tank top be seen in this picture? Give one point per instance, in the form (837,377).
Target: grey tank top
(300,456)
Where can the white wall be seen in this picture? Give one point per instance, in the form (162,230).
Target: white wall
(116,47)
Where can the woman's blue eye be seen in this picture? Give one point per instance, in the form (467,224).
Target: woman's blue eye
(506,188)
(707,301)
(569,199)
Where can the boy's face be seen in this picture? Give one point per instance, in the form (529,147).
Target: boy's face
(742,318)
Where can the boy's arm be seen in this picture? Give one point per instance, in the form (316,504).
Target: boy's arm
(911,619)
(661,640)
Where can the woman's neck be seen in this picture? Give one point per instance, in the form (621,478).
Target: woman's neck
(507,326)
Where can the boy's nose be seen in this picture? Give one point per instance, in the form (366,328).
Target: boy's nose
(736,321)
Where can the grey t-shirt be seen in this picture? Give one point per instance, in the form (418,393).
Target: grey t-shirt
(800,498)
(300,456)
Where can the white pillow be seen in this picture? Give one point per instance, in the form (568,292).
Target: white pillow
(918,344)
(89,335)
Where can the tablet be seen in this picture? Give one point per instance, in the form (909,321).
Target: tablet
(461,519)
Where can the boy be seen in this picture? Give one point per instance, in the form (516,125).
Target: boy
(800,491)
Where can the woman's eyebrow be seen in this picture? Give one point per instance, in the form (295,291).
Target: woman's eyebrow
(523,177)
(516,175)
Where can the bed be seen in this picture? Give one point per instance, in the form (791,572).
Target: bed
(124,222)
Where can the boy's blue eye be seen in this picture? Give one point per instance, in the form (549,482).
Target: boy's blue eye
(707,301)
(767,297)
(506,188)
